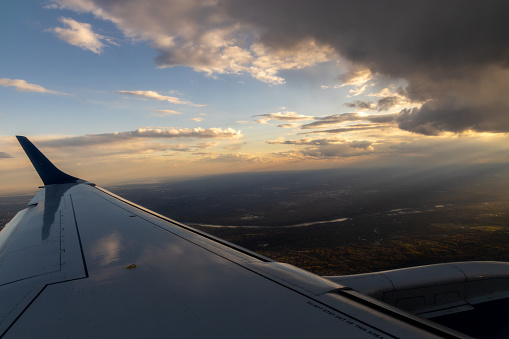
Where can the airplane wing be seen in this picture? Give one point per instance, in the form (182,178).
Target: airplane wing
(81,262)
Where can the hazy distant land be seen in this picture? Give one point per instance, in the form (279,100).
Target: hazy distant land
(342,221)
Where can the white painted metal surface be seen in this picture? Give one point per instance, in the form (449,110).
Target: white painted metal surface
(64,272)
(423,288)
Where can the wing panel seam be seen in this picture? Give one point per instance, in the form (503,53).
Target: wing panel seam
(54,283)
(188,228)
(79,237)
(401,317)
(34,299)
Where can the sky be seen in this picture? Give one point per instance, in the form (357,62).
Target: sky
(135,91)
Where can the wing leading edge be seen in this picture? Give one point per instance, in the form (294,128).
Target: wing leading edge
(97,266)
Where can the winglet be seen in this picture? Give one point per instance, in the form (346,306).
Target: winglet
(48,172)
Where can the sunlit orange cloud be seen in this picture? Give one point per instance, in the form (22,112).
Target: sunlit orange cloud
(139,161)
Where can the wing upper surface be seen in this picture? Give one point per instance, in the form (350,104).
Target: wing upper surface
(40,246)
(82,262)
(183,283)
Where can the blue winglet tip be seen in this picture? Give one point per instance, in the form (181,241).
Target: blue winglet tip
(48,172)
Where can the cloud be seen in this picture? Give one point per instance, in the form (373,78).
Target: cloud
(354,128)
(204,36)
(180,148)
(187,148)
(308,141)
(327,148)
(159,97)
(347,117)
(333,120)
(197,119)
(335,151)
(435,119)
(362,144)
(357,91)
(168,132)
(291,125)
(268,61)
(362,105)
(81,34)
(166,112)
(383,104)
(453,54)
(4,155)
(387,103)
(382,118)
(23,86)
(262,121)
(164,133)
(282,116)
(477,103)
(355,76)
(206,145)
(234,146)
(235,157)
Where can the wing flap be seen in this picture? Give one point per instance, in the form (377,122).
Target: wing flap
(41,247)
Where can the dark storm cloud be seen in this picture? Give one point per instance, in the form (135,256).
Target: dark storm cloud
(383,104)
(453,54)
(382,118)
(430,120)
(390,37)
(444,49)
(387,103)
